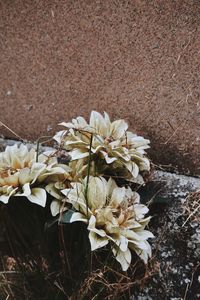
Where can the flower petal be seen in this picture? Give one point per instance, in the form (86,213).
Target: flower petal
(145,234)
(55,208)
(91,227)
(78,154)
(98,123)
(111,185)
(124,258)
(118,129)
(5,198)
(36,170)
(50,188)
(118,196)
(140,211)
(97,192)
(38,196)
(144,253)
(24,176)
(132,168)
(59,136)
(78,217)
(26,190)
(97,241)
(108,159)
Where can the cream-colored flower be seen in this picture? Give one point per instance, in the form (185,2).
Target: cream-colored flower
(58,203)
(114,215)
(75,171)
(113,149)
(21,174)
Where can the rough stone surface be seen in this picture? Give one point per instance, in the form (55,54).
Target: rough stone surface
(138,60)
(173,186)
(177,251)
(177,244)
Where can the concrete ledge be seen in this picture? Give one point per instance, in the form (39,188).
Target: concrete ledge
(171,185)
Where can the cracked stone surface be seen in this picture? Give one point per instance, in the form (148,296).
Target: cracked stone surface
(177,245)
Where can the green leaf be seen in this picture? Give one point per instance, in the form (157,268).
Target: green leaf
(66,216)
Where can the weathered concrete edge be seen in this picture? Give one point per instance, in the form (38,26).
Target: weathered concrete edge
(176,186)
(173,185)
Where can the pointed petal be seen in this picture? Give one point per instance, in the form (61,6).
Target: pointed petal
(59,136)
(55,208)
(78,154)
(124,258)
(122,243)
(107,119)
(24,176)
(97,192)
(50,188)
(38,196)
(4,198)
(26,190)
(96,241)
(78,217)
(139,180)
(145,234)
(111,185)
(118,129)
(108,159)
(91,227)
(98,123)
(140,211)
(144,253)
(118,196)
(132,168)
(36,170)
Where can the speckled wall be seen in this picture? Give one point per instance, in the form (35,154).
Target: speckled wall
(138,60)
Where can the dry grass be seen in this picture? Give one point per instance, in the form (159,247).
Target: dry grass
(106,282)
(57,264)
(191,207)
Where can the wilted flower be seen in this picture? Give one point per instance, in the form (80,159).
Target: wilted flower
(21,173)
(113,215)
(113,148)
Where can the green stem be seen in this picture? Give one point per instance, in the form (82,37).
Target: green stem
(38,144)
(88,173)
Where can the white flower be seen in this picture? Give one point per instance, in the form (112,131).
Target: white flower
(21,174)
(114,215)
(74,173)
(58,203)
(113,149)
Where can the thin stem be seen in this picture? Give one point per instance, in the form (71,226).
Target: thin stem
(88,173)
(86,194)
(38,144)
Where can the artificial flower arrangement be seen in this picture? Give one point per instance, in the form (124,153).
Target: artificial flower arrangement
(100,151)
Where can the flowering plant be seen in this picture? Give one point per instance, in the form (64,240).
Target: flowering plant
(114,149)
(114,215)
(22,173)
(99,149)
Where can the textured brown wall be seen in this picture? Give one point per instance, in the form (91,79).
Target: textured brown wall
(138,60)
